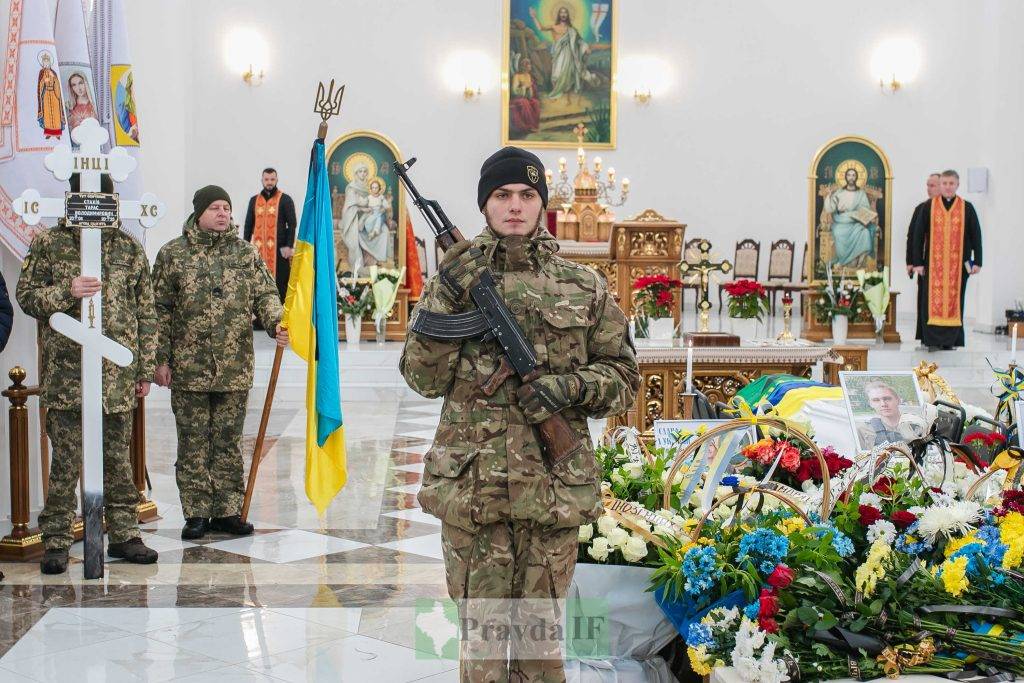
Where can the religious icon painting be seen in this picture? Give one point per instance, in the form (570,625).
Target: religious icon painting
(125,115)
(367,204)
(49,107)
(884,408)
(79,94)
(558,67)
(850,208)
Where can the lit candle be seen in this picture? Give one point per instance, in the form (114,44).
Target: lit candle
(1013,345)
(561,164)
(547,175)
(611,175)
(689,367)
(597,163)
(625,184)
(580,156)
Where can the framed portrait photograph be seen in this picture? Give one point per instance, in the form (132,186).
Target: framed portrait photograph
(367,203)
(850,184)
(884,407)
(558,66)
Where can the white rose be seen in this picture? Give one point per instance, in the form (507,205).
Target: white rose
(635,549)
(634,470)
(599,549)
(586,533)
(618,537)
(617,478)
(606,523)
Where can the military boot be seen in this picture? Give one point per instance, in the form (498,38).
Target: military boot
(55,561)
(133,550)
(232,524)
(195,527)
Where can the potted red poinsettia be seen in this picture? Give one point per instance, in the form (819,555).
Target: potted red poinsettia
(748,306)
(653,300)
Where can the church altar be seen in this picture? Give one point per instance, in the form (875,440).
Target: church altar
(718,372)
(646,244)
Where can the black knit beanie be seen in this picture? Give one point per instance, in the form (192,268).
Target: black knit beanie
(508,166)
(205,196)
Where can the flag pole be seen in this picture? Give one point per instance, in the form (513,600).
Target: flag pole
(328,104)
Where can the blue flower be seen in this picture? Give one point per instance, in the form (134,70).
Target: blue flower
(752,610)
(764,548)
(699,634)
(841,543)
(700,566)
(731,480)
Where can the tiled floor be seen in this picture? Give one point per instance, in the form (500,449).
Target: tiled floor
(306,598)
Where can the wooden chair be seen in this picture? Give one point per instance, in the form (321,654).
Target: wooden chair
(690,281)
(801,287)
(780,269)
(746,264)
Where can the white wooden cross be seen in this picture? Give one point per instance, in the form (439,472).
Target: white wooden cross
(90,164)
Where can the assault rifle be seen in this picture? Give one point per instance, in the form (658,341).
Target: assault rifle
(490,320)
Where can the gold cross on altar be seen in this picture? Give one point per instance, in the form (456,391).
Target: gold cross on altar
(704,267)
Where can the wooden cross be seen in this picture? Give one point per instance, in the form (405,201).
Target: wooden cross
(704,267)
(90,163)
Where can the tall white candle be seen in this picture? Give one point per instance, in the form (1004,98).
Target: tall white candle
(689,367)
(1013,345)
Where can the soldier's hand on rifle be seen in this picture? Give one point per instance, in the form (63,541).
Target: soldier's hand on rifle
(547,395)
(163,376)
(141,389)
(83,286)
(459,269)
(281,335)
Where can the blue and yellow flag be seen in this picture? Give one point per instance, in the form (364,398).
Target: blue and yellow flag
(311,315)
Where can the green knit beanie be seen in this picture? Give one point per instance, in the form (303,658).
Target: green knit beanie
(205,196)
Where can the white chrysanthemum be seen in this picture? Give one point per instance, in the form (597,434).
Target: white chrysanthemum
(635,549)
(599,549)
(872,499)
(617,537)
(955,518)
(883,529)
(605,524)
(586,533)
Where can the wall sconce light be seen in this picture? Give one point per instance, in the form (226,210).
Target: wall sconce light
(468,72)
(245,52)
(646,75)
(894,63)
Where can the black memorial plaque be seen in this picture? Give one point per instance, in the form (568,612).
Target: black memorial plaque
(91,209)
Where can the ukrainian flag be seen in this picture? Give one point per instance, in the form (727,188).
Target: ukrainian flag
(311,316)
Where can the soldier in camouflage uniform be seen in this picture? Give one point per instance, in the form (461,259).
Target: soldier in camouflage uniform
(208,284)
(50,282)
(509,519)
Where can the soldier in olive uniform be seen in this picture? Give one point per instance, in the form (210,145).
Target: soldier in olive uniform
(509,518)
(51,282)
(208,284)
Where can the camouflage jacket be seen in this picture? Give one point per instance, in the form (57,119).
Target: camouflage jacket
(207,287)
(486,464)
(44,288)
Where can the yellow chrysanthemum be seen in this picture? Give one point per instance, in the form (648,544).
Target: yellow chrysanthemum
(954,576)
(791,525)
(1014,555)
(699,660)
(1011,528)
(957,543)
(873,569)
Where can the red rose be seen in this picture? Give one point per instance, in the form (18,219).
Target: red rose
(781,577)
(790,460)
(768,625)
(869,514)
(837,463)
(883,486)
(902,519)
(769,606)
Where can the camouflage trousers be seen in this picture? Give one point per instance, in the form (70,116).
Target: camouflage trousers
(509,560)
(120,497)
(209,466)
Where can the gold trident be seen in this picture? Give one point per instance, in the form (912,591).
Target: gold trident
(327,104)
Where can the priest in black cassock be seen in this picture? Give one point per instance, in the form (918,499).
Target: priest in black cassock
(270,226)
(932,188)
(946,250)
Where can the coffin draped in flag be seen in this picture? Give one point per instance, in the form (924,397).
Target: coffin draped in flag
(311,315)
(32,115)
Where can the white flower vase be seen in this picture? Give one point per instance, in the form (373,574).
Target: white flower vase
(661,328)
(840,329)
(353,328)
(745,328)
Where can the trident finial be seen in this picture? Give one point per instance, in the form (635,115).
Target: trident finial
(327,104)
